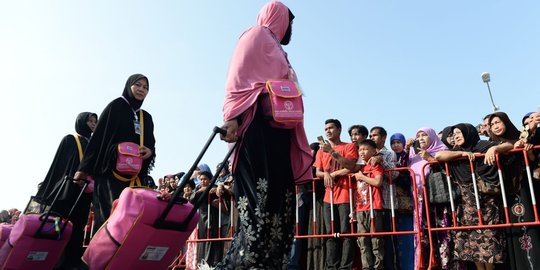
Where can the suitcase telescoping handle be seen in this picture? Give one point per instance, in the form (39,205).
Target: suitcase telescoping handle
(169,225)
(46,216)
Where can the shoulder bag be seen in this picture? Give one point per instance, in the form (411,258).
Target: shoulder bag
(129,161)
(438,188)
(283,105)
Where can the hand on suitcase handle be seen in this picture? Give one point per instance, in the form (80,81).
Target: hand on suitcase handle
(220,131)
(80,178)
(227,132)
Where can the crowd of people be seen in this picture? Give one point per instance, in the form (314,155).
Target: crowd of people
(9,216)
(368,158)
(371,164)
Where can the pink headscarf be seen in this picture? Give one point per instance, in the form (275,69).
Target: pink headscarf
(416,162)
(258,57)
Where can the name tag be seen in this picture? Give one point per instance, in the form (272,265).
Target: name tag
(137,126)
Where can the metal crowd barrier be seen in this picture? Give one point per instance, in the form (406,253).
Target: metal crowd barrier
(180,261)
(453,205)
(429,227)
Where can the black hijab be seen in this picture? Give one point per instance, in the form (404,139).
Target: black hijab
(461,168)
(65,163)
(446,132)
(81,127)
(116,125)
(511,134)
(472,139)
(135,104)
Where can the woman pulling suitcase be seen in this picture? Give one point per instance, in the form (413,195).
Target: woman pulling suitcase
(65,163)
(122,122)
(269,158)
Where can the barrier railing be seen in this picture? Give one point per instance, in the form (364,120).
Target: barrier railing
(429,228)
(503,198)
(180,262)
(88,229)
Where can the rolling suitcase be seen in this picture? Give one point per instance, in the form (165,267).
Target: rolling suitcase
(144,232)
(5,229)
(36,241)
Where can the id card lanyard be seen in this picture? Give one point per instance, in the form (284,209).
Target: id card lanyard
(138,121)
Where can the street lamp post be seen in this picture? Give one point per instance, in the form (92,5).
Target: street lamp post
(486,78)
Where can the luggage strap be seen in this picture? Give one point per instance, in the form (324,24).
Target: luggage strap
(55,226)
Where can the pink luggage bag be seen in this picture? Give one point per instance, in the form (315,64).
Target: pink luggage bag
(5,229)
(144,232)
(28,247)
(129,240)
(36,241)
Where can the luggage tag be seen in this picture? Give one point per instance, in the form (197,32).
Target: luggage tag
(137,126)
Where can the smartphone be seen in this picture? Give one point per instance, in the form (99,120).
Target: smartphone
(321,139)
(416,145)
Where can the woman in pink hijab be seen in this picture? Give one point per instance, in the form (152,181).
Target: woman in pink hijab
(269,160)
(430,144)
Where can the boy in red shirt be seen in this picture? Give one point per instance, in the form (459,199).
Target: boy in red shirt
(330,167)
(369,205)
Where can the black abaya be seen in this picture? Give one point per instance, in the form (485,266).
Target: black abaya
(116,125)
(265,199)
(65,163)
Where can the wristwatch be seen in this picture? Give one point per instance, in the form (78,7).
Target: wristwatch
(334,154)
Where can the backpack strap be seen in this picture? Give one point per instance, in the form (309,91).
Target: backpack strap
(141,119)
(79,147)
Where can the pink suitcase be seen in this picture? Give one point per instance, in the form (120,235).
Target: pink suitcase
(144,232)
(5,229)
(36,241)
(28,247)
(129,240)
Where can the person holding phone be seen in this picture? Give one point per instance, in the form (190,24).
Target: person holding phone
(331,169)
(424,147)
